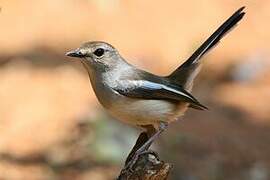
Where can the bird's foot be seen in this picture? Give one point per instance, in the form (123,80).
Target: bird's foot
(136,157)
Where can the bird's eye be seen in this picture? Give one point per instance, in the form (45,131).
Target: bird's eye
(99,52)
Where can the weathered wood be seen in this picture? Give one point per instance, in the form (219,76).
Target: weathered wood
(147,167)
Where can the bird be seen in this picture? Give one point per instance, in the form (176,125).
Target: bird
(141,98)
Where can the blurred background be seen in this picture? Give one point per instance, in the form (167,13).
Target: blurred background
(52,127)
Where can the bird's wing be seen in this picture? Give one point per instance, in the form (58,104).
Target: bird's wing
(144,89)
(185,74)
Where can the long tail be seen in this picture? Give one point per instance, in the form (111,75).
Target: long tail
(185,74)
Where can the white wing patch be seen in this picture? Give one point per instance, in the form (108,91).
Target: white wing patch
(132,84)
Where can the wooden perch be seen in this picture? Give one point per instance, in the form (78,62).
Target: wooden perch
(148,166)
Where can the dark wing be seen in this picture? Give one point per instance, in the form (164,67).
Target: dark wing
(151,90)
(185,74)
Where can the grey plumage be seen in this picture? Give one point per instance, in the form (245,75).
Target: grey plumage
(133,95)
(141,98)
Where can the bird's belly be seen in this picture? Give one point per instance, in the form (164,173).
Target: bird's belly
(142,112)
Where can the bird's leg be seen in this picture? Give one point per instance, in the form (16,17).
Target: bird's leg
(162,127)
(142,139)
(144,148)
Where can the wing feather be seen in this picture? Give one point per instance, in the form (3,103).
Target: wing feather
(150,90)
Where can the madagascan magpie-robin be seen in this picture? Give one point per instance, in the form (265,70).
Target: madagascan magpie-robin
(140,98)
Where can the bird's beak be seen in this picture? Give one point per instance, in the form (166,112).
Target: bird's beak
(75,53)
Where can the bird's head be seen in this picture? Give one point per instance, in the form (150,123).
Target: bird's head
(96,53)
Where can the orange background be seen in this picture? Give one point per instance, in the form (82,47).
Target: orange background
(51,126)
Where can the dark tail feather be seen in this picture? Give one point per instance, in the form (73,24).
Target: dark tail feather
(182,74)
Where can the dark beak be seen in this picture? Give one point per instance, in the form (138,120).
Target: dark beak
(75,53)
